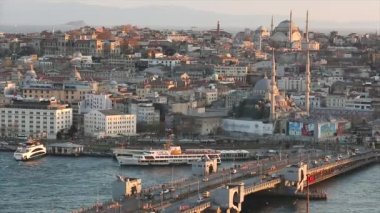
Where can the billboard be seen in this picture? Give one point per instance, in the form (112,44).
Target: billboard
(294,128)
(326,130)
(246,126)
(308,129)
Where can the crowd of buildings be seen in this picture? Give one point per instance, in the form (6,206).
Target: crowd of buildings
(124,80)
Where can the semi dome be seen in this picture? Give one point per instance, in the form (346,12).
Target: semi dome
(280,37)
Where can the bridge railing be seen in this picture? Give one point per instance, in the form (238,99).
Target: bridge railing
(262,186)
(198,208)
(341,162)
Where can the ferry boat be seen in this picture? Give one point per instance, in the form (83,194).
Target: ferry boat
(173,155)
(30,150)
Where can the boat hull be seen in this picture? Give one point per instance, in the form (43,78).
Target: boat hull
(135,162)
(26,157)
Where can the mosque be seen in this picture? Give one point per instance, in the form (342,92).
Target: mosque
(286,34)
(259,105)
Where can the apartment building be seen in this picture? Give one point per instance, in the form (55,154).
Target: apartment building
(109,123)
(37,118)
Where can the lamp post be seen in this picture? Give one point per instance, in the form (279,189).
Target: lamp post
(308,194)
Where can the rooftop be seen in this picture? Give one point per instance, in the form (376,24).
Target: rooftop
(111,112)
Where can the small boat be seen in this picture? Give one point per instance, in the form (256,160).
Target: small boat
(32,149)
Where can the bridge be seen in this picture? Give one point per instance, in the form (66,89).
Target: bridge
(227,191)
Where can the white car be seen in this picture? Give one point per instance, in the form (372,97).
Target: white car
(165,191)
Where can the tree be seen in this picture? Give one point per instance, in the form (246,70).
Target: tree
(73,129)
(59,135)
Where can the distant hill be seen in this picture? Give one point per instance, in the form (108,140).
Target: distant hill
(48,14)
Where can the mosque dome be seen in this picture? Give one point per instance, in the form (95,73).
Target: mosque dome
(215,77)
(261,29)
(262,84)
(284,27)
(77,55)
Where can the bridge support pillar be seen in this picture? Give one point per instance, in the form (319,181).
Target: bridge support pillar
(295,176)
(230,198)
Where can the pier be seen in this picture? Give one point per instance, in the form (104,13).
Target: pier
(227,191)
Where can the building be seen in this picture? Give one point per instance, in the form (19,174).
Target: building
(37,118)
(296,84)
(238,73)
(247,126)
(95,102)
(234,98)
(145,111)
(208,94)
(336,101)
(162,61)
(314,100)
(109,123)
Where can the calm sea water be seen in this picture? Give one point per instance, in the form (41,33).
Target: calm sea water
(61,184)
(355,192)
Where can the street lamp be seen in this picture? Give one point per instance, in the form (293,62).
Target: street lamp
(308,194)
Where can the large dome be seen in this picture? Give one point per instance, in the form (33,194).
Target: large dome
(262,84)
(284,26)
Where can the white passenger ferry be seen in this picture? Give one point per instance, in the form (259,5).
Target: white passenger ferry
(30,150)
(171,156)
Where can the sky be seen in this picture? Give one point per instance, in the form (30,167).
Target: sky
(342,12)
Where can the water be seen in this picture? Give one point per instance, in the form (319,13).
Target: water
(61,184)
(355,192)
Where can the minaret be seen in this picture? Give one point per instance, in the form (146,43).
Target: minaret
(218,28)
(290,29)
(271,27)
(273,86)
(307,73)
(260,43)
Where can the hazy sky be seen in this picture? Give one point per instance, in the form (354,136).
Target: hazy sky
(340,11)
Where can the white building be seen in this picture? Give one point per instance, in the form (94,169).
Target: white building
(360,104)
(95,102)
(299,100)
(109,123)
(292,84)
(162,61)
(35,118)
(238,73)
(336,101)
(208,94)
(145,111)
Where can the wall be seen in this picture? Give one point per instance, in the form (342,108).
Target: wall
(252,127)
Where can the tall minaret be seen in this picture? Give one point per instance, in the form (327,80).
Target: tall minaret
(290,29)
(260,43)
(307,73)
(273,86)
(218,28)
(271,26)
